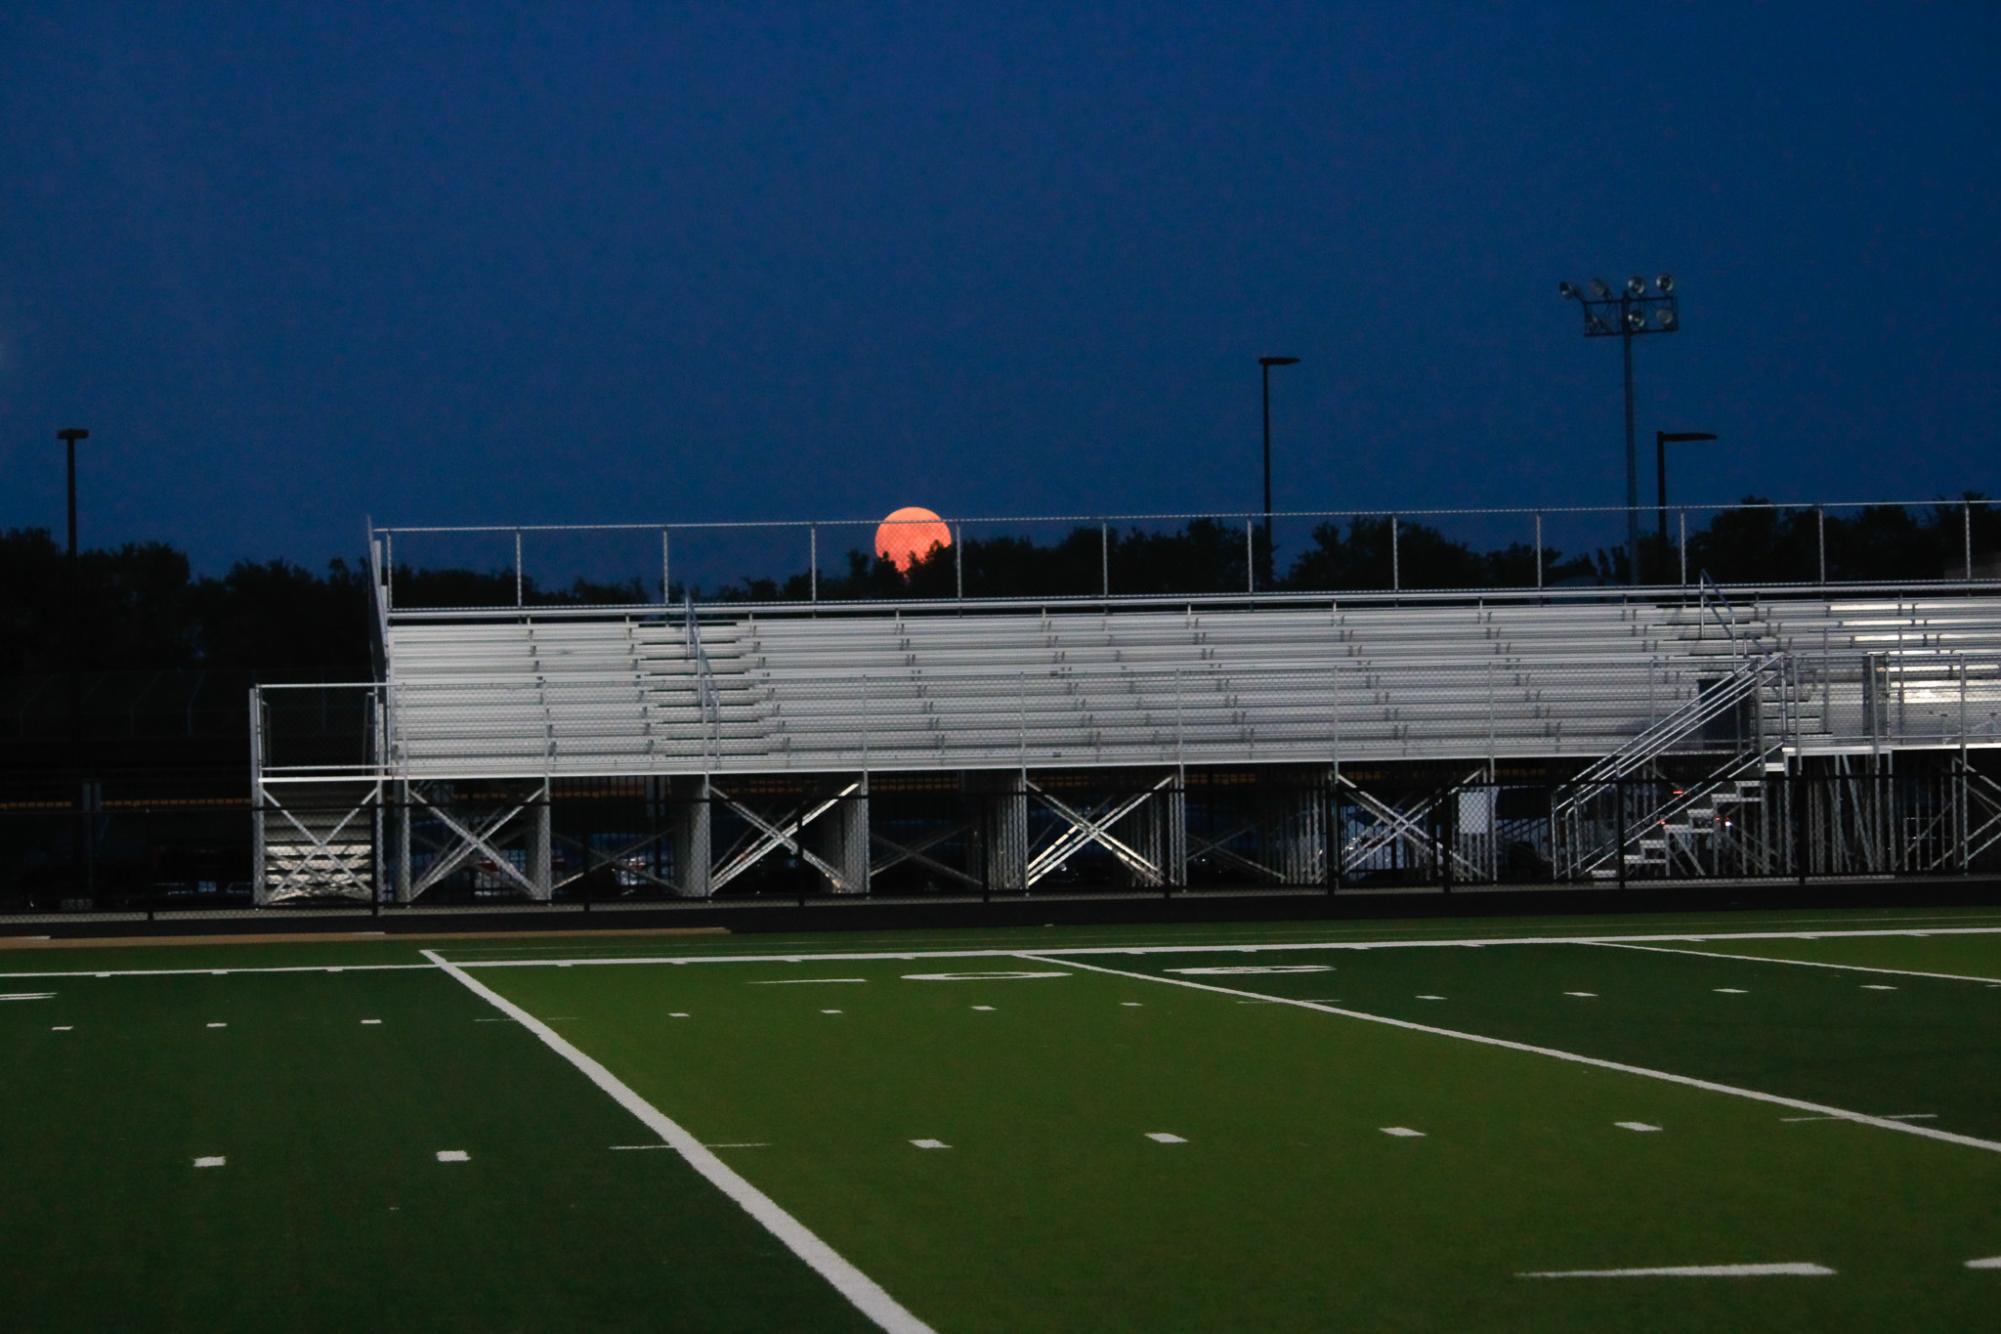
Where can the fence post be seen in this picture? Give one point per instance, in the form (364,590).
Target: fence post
(958,562)
(1334,879)
(1538,549)
(666,572)
(1250,559)
(1330,841)
(1396,568)
(1801,795)
(1105,558)
(1820,538)
(1965,851)
(1619,828)
(517,567)
(1681,519)
(1966,528)
(813,562)
(1450,838)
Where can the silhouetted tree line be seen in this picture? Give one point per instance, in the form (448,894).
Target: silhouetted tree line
(1881,542)
(139,609)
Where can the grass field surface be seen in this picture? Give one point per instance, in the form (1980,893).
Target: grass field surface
(1757,1120)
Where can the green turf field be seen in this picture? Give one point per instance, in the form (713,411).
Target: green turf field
(1438,1125)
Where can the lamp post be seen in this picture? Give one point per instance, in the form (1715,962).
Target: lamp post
(1633,311)
(1662,439)
(69,435)
(79,842)
(1266,363)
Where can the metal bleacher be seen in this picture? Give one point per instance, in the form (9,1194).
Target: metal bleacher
(890,691)
(1623,731)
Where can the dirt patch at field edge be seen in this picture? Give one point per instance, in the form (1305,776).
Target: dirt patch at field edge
(314,937)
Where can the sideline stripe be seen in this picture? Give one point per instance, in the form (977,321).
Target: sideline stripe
(1634,941)
(1797,963)
(213,972)
(1508,1044)
(1693,1271)
(865,1293)
(1068,952)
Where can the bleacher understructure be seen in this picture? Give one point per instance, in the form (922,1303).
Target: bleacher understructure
(1338,737)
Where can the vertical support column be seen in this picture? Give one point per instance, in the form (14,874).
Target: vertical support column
(378,880)
(402,872)
(689,813)
(841,839)
(1295,835)
(1160,831)
(1006,806)
(260,882)
(260,875)
(541,844)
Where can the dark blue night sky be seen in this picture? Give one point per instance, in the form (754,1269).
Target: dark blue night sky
(540,263)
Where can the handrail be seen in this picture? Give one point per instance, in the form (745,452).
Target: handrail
(1711,602)
(705,689)
(1703,709)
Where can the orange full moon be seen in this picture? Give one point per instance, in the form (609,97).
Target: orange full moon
(907,536)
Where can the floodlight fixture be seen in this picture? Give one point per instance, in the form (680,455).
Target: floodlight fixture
(1631,313)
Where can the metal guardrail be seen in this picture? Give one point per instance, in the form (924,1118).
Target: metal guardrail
(1091,557)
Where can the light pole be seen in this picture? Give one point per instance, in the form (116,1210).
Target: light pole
(69,435)
(1662,439)
(1632,312)
(1266,363)
(72,642)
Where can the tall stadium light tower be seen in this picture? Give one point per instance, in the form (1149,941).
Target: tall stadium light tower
(1626,315)
(1266,363)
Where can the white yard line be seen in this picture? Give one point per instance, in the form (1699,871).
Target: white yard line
(1508,1044)
(800,981)
(1797,963)
(1791,1270)
(866,1295)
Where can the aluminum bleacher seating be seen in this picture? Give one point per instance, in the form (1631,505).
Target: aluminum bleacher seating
(983,689)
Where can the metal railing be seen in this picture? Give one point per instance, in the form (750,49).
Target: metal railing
(1104,557)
